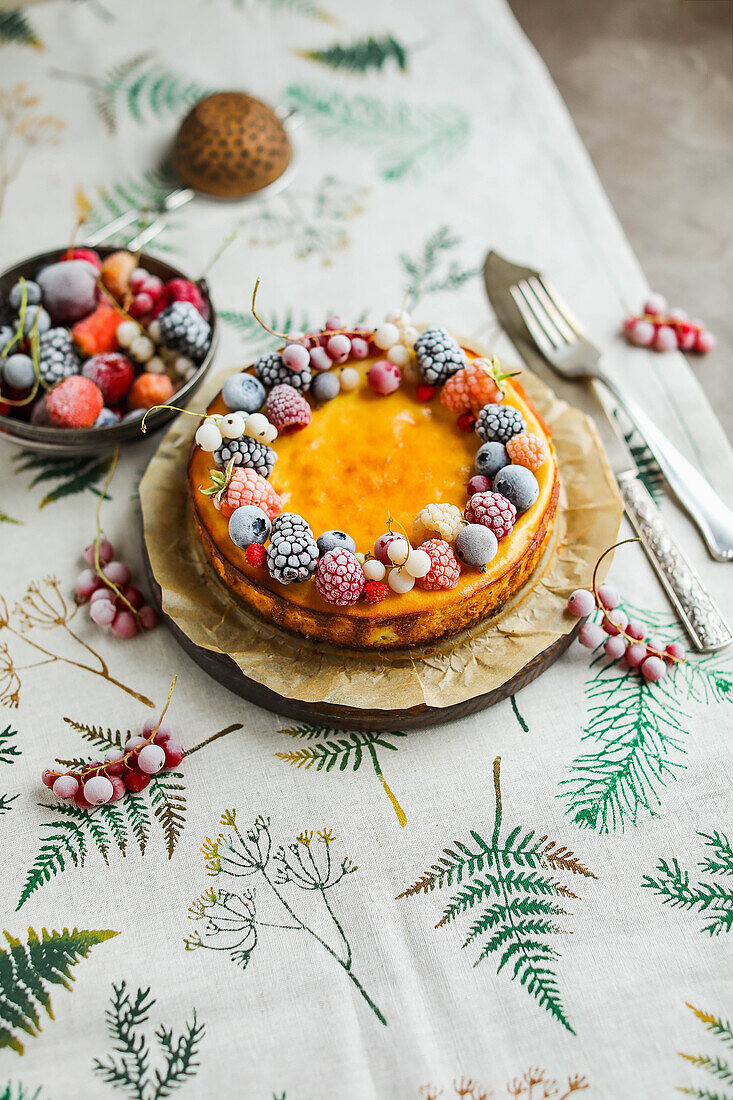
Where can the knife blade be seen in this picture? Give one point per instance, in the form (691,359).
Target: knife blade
(695,607)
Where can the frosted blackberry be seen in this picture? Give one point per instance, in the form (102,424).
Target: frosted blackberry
(438,356)
(57,356)
(246,451)
(292,554)
(498,423)
(272,371)
(183,329)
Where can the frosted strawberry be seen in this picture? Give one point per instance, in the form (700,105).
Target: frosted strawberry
(455,394)
(241,485)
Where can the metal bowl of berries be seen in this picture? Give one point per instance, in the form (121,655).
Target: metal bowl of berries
(92,339)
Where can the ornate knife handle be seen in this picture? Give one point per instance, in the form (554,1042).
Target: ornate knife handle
(701,617)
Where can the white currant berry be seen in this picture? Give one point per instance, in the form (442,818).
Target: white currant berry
(232,425)
(98,790)
(257,426)
(208,435)
(399,355)
(142,348)
(400,581)
(127,331)
(349,379)
(155,365)
(374,570)
(386,335)
(410,371)
(183,366)
(65,787)
(151,759)
(398,317)
(409,335)
(418,563)
(398,550)
(270,434)
(154,331)
(133,743)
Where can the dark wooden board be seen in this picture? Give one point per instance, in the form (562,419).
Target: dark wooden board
(227,672)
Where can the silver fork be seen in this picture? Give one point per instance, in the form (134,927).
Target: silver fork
(560,338)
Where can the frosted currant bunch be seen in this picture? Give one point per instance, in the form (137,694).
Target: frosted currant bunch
(622,638)
(216,428)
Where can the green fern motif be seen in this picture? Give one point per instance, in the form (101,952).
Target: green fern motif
(287,7)
(145,193)
(314,222)
(637,733)
(646,465)
(73,475)
(719,1068)
(330,747)
(433,269)
(66,840)
(25,971)
(511,876)
(709,896)
(254,336)
(362,55)
(18,1091)
(404,136)
(131,1072)
(9,753)
(5,518)
(15,28)
(143,87)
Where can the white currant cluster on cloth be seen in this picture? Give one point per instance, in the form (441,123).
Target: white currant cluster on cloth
(214,429)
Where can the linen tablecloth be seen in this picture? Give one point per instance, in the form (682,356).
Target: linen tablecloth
(343,943)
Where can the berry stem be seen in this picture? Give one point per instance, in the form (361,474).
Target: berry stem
(175,408)
(97,564)
(664,656)
(214,737)
(217,254)
(308,335)
(102,769)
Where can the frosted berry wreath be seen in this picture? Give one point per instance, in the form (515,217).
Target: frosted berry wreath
(272,401)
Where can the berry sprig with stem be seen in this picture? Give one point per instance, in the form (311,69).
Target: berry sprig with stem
(302,336)
(32,338)
(626,638)
(122,770)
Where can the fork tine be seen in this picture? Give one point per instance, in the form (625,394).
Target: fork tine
(552,311)
(535,330)
(565,312)
(541,315)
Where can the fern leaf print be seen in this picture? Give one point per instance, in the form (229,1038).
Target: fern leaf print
(362,55)
(128,1069)
(711,896)
(72,475)
(27,969)
(636,733)
(9,753)
(255,338)
(330,749)
(517,905)
(16,29)
(141,87)
(718,1065)
(405,137)
(145,193)
(434,268)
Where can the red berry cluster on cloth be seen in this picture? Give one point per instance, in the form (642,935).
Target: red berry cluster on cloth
(622,638)
(113,602)
(129,768)
(664,329)
(89,342)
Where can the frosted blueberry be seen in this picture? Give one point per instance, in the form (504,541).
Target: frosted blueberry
(476,545)
(518,485)
(32,294)
(243,393)
(325,386)
(248,524)
(333,540)
(490,458)
(19,372)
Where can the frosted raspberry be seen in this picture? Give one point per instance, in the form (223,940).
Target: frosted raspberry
(466,422)
(437,520)
(482,387)
(247,487)
(527,449)
(424,392)
(287,409)
(445,570)
(339,577)
(455,393)
(494,511)
(255,554)
(375,592)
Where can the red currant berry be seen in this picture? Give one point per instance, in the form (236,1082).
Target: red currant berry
(136,780)
(174,753)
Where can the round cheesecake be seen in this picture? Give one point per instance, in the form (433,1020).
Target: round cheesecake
(365,459)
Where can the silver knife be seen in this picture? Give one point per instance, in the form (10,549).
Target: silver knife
(698,612)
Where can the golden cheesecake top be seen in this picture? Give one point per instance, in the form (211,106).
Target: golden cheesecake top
(365,458)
